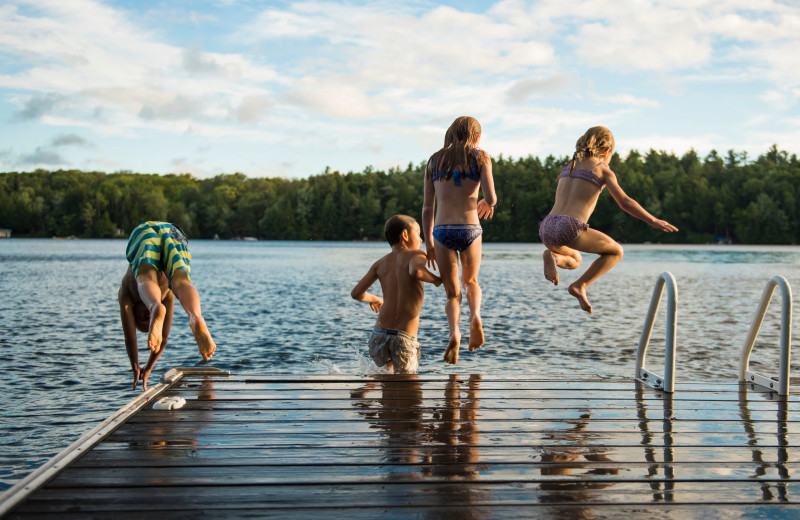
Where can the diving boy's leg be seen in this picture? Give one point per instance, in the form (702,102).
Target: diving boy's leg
(471,265)
(190,301)
(150,293)
(593,241)
(448,270)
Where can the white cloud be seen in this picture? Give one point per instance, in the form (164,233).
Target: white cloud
(337,98)
(70,139)
(521,90)
(383,44)
(41,158)
(643,37)
(627,99)
(117,69)
(670,143)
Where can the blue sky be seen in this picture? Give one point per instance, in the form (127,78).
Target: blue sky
(290,88)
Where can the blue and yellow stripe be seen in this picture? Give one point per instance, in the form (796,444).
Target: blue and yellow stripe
(160,244)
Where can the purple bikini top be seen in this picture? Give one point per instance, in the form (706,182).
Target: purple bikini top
(580,173)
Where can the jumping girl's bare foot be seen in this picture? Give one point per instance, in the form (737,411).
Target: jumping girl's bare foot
(155,332)
(550,270)
(475,333)
(451,354)
(205,344)
(580,294)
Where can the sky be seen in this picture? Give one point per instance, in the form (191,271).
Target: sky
(288,89)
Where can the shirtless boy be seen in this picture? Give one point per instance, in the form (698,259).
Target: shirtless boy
(159,270)
(401,273)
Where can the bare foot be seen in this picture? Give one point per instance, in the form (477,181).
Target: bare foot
(451,354)
(550,270)
(136,374)
(155,332)
(205,344)
(475,333)
(580,294)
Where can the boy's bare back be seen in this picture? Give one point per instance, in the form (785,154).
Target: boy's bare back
(403,293)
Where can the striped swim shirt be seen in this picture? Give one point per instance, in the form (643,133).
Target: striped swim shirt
(160,244)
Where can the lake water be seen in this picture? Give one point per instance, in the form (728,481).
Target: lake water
(285,307)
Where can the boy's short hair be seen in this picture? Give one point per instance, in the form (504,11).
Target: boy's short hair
(395,226)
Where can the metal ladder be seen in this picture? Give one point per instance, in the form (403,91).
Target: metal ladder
(666,382)
(786,338)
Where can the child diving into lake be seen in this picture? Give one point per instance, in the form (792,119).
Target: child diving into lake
(566,232)
(401,274)
(159,270)
(451,214)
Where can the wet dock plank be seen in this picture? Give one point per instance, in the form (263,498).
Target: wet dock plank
(437,447)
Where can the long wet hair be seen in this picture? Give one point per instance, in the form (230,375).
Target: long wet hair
(458,152)
(591,143)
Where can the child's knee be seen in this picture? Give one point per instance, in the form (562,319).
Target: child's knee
(453,292)
(179,280)
(573,261)
(470,284)
(451,288)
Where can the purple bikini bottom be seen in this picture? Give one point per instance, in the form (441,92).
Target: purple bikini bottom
(560,230)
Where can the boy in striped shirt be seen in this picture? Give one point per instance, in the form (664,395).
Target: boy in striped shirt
(159,270)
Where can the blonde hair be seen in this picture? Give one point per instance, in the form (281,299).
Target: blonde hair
(591,144)
(458,153)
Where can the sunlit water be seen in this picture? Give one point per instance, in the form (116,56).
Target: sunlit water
(285,307)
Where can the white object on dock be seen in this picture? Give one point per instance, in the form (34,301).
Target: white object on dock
(169,403)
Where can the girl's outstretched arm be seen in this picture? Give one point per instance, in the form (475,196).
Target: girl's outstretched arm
(428,208)
(630,206)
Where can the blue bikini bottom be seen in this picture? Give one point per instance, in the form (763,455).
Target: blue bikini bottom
(457,237)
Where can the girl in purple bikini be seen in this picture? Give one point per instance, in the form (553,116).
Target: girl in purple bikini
(565,231)
(452,179)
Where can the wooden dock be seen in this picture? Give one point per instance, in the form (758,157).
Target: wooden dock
(466,447)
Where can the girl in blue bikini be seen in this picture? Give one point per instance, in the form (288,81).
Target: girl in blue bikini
(565,231)
(452,179)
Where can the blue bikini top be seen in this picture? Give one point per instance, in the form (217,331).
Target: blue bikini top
(473,172)
(586,175)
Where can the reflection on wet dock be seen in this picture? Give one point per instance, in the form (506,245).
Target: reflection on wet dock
(437,447)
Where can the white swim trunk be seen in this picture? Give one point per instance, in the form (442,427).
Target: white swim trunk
(395,346)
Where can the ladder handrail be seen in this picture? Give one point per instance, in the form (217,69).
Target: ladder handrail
(667,381)
(786,337)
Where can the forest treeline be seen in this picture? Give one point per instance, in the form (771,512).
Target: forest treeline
(732,197)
